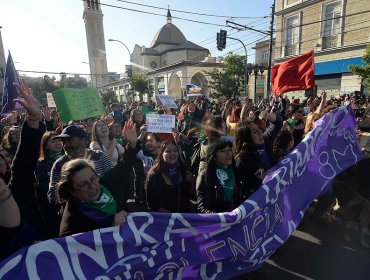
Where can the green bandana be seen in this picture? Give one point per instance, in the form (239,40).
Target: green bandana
(189,116)
(226,177)
(53,156)
(105,203)
(292,123)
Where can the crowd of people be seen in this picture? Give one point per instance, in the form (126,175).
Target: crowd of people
(60,179)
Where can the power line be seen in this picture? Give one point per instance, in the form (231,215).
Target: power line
(155,14)
(188,12)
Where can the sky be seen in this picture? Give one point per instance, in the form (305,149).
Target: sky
(49,35)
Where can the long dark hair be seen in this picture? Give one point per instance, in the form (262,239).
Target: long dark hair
(212,127)
(213,148)
(243,138)
(160,166)
(280,145)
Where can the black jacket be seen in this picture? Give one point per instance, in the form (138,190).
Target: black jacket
(22,175)
(73,221)
(210,197)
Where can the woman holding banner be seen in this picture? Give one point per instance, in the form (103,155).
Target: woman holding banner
(169,184)
(89,205)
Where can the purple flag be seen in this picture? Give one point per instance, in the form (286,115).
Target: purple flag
(10,91)
(195,246)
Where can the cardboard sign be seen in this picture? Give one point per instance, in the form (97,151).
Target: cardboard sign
(160,123)
(78,104)
(50,99)
(167,101)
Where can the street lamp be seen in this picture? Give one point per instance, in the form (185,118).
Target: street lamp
(91,74)
(122,43)
(255,69)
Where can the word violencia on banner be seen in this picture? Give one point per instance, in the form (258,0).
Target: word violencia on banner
(203,246)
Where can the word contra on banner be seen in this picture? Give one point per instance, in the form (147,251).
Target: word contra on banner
(167,100)
(194,246)
(160,123)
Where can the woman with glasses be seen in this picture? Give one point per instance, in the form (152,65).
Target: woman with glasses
(295,122)
(50,151)
(89,205)
(103,140)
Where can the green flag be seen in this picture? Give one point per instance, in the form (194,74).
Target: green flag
(78,104)
(146,110)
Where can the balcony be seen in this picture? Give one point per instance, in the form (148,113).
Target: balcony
(330,42)
(290,49)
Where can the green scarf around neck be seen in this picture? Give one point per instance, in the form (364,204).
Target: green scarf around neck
(105,203)
(226,177)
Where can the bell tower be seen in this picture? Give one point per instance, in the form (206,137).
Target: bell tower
(93,18)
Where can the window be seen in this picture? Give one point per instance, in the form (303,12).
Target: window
(265,55)
(331,24)
(291,34)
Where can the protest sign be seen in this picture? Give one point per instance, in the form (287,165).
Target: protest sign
(50,100)
(207,246)
(160,123)
(167,100)
(78,104)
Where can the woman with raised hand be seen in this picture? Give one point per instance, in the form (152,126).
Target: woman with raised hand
(18,231)
(169,185)
(102,140)
(89,205)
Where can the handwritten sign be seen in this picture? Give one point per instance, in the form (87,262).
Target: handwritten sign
(50,99)
(78,104)
(160,123)
(167,101)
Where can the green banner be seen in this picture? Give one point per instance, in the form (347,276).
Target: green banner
(78,104)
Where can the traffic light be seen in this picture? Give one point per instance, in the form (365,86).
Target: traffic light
(221,39)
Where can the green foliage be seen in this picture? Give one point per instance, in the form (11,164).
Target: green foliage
(41,85)
(139,83)
(363,71)
(230,82)
(109,97)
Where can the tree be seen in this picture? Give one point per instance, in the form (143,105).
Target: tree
(109,97)
(363,71)
(228,83)
(139,82)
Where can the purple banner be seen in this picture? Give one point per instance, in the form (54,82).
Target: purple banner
(10,91)
(194,246)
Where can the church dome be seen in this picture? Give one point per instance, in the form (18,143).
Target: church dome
(168,34)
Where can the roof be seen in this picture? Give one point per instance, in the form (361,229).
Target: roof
(150,51)
(168,34)
(188,45)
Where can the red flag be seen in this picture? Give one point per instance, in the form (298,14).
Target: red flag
(294,74)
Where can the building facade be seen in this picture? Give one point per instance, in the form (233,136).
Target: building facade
(171,62)
(258,83)
(93,18)
(337,30)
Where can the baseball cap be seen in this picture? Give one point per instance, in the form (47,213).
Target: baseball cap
(72,131)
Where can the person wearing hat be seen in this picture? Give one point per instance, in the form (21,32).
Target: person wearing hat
(74,145)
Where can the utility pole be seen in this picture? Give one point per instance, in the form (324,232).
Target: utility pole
(270,49)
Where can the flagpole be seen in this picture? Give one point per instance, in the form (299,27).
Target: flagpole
(270,49)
